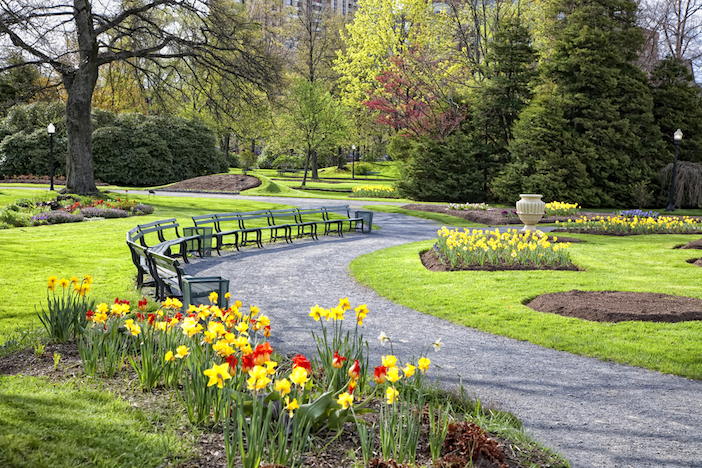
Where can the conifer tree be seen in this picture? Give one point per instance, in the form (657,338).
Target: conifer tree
(590,134)
(677,103)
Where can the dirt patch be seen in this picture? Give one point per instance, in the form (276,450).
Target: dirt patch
(619,306)
(697,244)
(226,183)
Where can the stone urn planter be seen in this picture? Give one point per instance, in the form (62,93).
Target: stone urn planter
(530,209)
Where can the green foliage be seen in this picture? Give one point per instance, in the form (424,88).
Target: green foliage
(362,168)
(130,149)
(677,103)
(67,309)
(441,171)
(509,73)
(144,151)
(18,85)
(590,132)
(247,159)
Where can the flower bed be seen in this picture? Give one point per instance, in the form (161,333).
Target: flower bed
(225,372)
(67,209)
(374,191)
(468,206)
(557,208)
(624,225)
(513,248)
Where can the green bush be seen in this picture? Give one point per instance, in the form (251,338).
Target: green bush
(129,149)
(362,168)
(440,171)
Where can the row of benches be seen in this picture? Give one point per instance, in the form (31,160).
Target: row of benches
(167,276)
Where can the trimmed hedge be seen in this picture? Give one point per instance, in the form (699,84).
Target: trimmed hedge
(128,149)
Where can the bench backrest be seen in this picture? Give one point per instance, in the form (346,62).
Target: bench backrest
(167,271)
(140,257)
(308,214)
(281,217)
(134,234)
(203,220)
(340,209)
(251,215)
(158,227)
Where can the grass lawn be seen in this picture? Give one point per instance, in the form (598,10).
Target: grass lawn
(96,248)
(69,424)
(493,301)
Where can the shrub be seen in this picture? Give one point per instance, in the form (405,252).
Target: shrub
(688,184)
(92,212)
(141,209)
(56,217)
(15,218)
(362,168)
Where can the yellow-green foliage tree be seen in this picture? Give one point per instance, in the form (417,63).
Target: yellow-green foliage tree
(380,30)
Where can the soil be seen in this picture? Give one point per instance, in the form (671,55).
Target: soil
(224,183)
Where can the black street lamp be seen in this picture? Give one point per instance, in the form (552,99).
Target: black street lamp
(51,129)
(677,137)
(353,161)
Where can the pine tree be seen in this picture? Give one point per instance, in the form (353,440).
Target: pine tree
(677,103)
(509,71)
(598,137)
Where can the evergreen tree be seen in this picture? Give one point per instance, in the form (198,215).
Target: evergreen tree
(590,135)
(677,103)
(509,72)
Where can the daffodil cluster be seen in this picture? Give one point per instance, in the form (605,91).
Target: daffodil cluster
(623,225)
(478,247)
(374,191)
(556,208)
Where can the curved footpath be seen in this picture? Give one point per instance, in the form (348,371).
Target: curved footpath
(597,414)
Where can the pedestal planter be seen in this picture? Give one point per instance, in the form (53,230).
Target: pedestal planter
(530,209)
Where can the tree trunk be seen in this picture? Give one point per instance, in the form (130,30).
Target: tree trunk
(315,175)
(307,166)
(341,162)
(80,176)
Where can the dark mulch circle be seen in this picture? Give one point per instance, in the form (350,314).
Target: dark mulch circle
(697,244)
(216,183)
(619,306)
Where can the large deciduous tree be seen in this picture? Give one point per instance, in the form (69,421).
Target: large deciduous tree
(77,37)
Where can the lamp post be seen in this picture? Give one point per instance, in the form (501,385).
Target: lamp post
(677,137)
(51,129)
(353,161)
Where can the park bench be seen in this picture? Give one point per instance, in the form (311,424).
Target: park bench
(171,281)
(142,262)
(317,216)
(370,173)
(282,172)
(355,223)
(290,218)
(219,233)
(164,245)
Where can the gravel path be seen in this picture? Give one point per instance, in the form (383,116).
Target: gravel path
(597,414)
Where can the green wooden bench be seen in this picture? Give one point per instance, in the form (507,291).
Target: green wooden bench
(142,263)
(171,281)
(164,245)
(355,223)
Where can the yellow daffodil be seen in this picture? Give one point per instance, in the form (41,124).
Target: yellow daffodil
(291,406)
(169,356)
(316,312)
(227,296)
(390,395)
(282,386)
(254,310)
(182,351)
(299,376)
(52,282)
(361,312)
(423,364)
(258,378)
(345,400)
(344,304)
(191,326)
(223,349)
(218,374)
(409,370)
(389,361)
(132,327)
(213,297)
(63,282)
(393,375)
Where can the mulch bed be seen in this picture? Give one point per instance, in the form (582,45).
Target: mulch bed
(224,183)
(619,306)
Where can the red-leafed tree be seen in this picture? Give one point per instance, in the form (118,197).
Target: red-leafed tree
(414,96)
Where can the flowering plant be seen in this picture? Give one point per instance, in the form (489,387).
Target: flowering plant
(469,206)
(621,225)
(557,208)
(374,191)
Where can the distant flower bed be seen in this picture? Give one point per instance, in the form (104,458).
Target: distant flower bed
(557,208)
(66,209)
(624,225)
(481,247)
(638,214)
(469,206)
(374,191)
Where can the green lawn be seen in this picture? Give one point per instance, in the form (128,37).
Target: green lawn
(96,248)
(493,301)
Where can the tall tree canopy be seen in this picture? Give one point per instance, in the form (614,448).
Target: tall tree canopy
(589,135)
(75,38)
